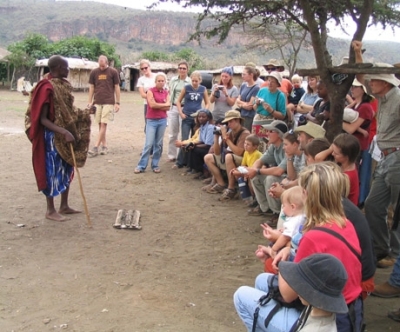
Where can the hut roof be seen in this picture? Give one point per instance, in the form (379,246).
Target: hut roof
(155,65)
(239,69)
(3,54)
(73,63)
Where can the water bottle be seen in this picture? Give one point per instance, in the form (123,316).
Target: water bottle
(244,189)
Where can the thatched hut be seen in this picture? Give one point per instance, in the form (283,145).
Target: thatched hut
(132,72)
(79,71)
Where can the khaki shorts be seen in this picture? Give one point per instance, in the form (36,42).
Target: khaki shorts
(104,113)
(236,159)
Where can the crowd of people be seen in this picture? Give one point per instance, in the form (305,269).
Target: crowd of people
(264,143)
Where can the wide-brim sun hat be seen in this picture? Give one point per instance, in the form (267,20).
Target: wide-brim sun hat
(277,125)
(389,78)
(356,82)
(232,114)
(319,279)
(275,75)
(311,129)
(273,62)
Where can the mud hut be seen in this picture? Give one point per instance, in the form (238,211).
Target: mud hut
(79,71)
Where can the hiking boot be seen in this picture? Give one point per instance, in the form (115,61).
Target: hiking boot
(94,152)
(386,262)
(104,150)
(386,290)
(395,315)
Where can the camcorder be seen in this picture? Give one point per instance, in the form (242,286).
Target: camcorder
(217,92)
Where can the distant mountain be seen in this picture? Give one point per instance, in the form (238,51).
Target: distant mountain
(134,31)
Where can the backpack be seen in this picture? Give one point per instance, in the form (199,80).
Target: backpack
(274,294)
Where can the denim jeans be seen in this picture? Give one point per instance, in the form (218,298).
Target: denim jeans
(384,191)
(154,136)
(364,174)
(246,301)
(186,131)
(394,279)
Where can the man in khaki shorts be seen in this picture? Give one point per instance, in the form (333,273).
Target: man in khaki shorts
(104,93)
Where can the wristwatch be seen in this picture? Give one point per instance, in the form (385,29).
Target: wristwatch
(258,171)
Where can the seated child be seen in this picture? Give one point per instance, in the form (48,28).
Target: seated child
(292,208)
(251,154)
(318,280)
(295,96)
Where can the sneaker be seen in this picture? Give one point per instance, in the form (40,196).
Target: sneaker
(104,150)
(94,152)
(395,315)
(386,291)
(386,262)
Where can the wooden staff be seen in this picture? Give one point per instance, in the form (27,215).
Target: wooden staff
(81,187)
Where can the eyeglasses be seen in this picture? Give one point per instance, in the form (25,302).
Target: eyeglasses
(270,68)
(144,68)
(182,68)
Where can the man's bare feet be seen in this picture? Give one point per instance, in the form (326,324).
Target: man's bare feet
(68,210)
(55,216)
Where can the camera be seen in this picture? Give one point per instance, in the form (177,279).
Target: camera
(188,147)
(217,131)
(220,87)
(302,121)
(217,93)
(259,101)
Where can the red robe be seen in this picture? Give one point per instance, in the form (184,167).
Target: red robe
(41,95)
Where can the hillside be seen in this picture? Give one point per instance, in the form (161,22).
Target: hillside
(134,31)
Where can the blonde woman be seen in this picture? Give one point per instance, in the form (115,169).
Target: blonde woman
(158,103)
(145,82)
(324,231)
(189,102)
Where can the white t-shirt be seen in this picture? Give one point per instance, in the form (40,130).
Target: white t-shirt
(320,324)
(291,225)
(147,83)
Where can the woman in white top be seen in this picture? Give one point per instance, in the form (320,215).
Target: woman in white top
(145,82)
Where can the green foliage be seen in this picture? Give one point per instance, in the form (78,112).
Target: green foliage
(195,61)
(36,46)
(155,56)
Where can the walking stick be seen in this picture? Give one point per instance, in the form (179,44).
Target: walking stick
(80,186)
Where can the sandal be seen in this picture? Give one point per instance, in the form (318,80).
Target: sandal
(137,171)
(157,170)
(207,180)
(227,195)
(209,186)
(216,189)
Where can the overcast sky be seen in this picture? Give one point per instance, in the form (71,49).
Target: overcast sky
(372,33)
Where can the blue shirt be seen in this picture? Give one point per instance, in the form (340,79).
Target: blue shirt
(246,93)
(193,99)
(206,133)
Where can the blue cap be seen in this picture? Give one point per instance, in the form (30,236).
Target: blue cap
(228,70)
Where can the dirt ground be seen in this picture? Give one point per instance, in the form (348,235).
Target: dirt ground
(177,274)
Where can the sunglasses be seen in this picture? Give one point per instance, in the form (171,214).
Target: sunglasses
(271,68)
(182,68)
(144,68)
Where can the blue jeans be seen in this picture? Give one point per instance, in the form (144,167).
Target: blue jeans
(364,174)
(394,279)
(155,130)
(384,191)
(186,129)
(246,301)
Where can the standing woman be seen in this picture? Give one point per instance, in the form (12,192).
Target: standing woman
(307,101)
(158,103)
(224,94)
(247,94)
(192,95)
(366,113)
(145,82)
(176,85)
